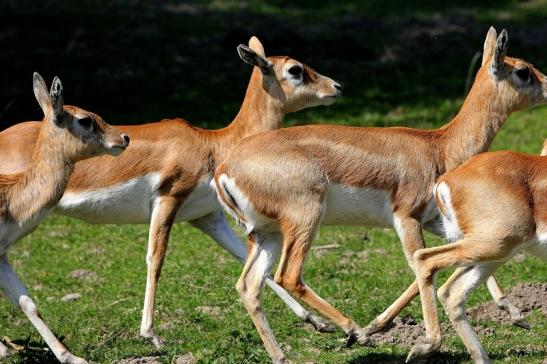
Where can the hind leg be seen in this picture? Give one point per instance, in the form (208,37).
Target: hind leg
(216,226)
(297,239)
(263,253)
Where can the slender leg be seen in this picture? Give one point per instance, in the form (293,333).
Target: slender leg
(517,318)
(409,231)
(263,254)
(216,226)
(453,295)
(296,243)
(17,293)
(427,263)
(163,215)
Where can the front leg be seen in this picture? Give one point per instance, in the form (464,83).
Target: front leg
(163,216)
(17,293)
(409,231)
(216,226)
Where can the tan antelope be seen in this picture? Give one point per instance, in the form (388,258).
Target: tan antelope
(67,134)
(165,175)
(492,206)
(281,185)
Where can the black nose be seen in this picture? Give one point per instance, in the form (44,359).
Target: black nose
(338,86)
(126,138)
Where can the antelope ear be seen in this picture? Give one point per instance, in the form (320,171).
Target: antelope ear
(41,93)
(251,57)
(489,45)
(256,46)
(56,96)
(499,53)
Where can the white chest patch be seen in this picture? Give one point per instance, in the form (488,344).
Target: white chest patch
(347,205)
(201,201)
(11,232)
(129,202)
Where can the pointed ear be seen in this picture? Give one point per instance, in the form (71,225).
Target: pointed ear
(56,96)
(489,45)
(251,57)
(40,92)
(256,46)
(499,52)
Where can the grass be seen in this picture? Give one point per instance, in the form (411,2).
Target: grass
(401,64)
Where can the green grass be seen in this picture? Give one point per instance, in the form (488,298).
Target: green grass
(134,62)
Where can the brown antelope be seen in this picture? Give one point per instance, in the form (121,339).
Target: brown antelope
(281,185)
(492,206)
(67,134)
(165,175)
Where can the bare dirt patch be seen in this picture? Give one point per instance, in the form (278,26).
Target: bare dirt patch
(141,360)
(526,296)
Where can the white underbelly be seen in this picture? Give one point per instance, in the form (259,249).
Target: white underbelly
(202,201)
(346,205)
(126,203)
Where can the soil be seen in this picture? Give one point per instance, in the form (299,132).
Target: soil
(526,296)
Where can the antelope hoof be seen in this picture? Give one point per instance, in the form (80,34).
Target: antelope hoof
(523,323)
(372,328)
(156,340)
(320,323)
(363,337)
(422,349)
(68,358)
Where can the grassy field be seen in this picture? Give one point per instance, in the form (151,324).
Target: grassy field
(398,69)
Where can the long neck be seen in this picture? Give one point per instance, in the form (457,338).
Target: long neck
(42,184)
(260,112)
(473,129)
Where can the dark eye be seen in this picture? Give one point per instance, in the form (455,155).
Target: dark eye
(296,71)
(85,122)
(523,73)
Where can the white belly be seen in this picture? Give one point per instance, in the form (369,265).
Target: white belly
(202,201)
(346,205)
(126,203)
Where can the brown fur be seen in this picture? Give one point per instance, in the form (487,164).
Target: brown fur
(500,203)
(285,174)
(182,154)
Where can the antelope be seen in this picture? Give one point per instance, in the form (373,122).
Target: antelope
(165,175)
(67,134)
(281,185)
(492,207)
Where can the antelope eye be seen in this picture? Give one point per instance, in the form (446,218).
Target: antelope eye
(295,71)
(523,73)
(85,122)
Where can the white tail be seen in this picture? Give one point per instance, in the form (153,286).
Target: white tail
(164,176)
(297,178)
(499,201)
(67,134)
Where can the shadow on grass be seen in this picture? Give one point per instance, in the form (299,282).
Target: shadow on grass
(33,352)
(380,358)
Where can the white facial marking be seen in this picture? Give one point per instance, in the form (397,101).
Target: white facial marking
(347,205)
